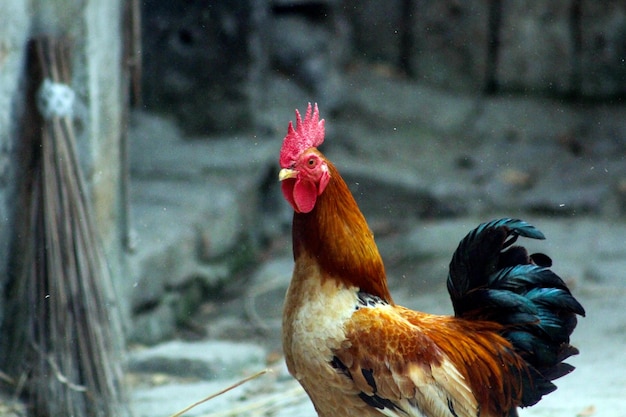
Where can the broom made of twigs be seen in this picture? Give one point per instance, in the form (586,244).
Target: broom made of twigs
(66,336)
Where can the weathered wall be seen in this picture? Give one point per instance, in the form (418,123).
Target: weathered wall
(14,24)
(200,61)
(564,47)
(104,98)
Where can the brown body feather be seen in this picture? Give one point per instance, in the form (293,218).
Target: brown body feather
(336,234)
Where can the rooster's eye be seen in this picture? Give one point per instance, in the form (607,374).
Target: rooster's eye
(312,162)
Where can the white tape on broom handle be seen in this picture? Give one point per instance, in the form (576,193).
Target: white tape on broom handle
(55,100)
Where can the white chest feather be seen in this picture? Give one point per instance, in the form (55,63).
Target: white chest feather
(313,324)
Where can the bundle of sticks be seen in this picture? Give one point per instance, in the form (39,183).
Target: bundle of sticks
(64,340)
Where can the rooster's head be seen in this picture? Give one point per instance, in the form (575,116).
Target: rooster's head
(304,171)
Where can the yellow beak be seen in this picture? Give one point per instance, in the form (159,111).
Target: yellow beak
(286,173)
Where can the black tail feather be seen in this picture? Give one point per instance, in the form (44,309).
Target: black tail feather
(493,279)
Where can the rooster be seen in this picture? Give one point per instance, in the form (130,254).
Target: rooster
(356,353)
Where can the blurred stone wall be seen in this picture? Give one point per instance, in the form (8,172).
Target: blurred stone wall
(207,62)
(211,65)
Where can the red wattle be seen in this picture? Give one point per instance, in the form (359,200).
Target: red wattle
(302,195)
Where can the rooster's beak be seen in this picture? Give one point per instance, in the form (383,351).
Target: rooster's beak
(286,173)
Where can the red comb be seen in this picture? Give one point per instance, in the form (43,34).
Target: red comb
(309,133)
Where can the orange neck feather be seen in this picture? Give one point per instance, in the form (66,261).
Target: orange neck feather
(336,234)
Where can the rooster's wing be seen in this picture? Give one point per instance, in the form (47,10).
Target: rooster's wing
(407,363)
